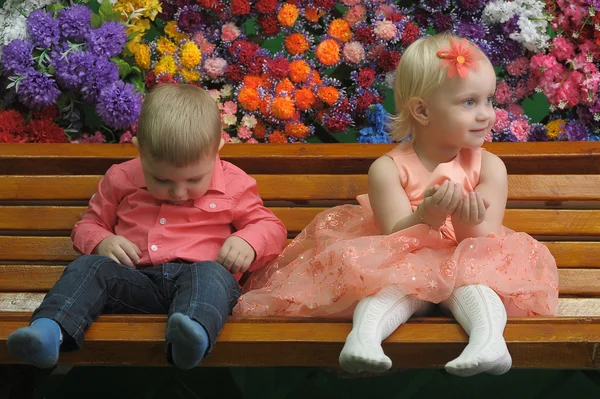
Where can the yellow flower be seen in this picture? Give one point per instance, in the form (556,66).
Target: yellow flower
(190,76)
(138,25)
(173,33)
(152,8)
(555,128)
(166,65)
(134,44)
(142,56)
(165,46)
(190,55)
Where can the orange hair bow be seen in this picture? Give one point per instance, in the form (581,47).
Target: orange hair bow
(459,58)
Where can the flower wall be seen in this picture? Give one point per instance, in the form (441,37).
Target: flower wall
(285,71)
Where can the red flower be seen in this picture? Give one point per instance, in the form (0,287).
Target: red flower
(208,3)
(50,112)
(12,125)
(323,5)
(365,35)
(365,100)
(366,76)
(388,60)
(240,7)
(269,25)
(397,17)
(166,79)
(343,107)
(294,2)
(278,68)
(45,131)
(150,80)
(256,67)
(266,6)
(335,124)
(235,73)
(410,34)
(246,53)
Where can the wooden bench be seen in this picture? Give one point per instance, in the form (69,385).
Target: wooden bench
(554,193)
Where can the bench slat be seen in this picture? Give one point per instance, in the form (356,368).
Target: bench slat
(555,188)
(539,222)
(139,340)
(526,158)
(40,278)
(575,254)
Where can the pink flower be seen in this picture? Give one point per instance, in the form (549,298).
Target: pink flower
(355,15)
(386,30)
(126,137)
(230,107)
(252,141)
(503,93)
(518,67)
(591,86)
(230,32)
(206,47)
(516,109)
(522,90)
(97,138)
(386,9)
(520,129)
(562,48)
(375,52)
(350,3)
(225,136)
(244,133)
(215,67)
(540,62)
(502,120)
(354,52)
(216,95)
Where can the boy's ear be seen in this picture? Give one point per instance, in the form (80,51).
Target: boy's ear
(135,143)
(221,144)
(418,110)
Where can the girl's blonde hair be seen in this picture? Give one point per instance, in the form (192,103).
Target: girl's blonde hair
(179,124)
(418,75)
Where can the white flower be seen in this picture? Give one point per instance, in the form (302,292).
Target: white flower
(227,90)
(390,77)
(229,119)
(499,12)
(249,121)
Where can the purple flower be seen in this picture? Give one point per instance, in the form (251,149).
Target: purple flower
(74,22)
(511,25)
(472,30)
(189,21)
(37,91)
(119,105)
(102,73)
(42,28)
(538,132)
(108,40)
(71,71)
(504,136)
(443,22)
(576,131)
(16,58)
(471,6)
(435,5)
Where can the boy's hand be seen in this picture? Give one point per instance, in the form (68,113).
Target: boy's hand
(439,202)
(120,249)
(236,255)
(471,210)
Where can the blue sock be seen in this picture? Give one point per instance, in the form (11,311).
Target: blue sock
(37,344)
(189,340)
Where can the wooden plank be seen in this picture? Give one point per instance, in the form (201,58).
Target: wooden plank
(538,222)
(576,254)
(525,158)
(140,341)
(554,188)
(40,278)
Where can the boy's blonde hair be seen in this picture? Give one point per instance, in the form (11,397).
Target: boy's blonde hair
(179,124)
(418,75)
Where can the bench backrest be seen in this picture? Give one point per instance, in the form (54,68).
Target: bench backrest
(554,193)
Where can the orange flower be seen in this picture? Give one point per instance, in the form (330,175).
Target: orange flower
(316,78)
(296,44)
(277,137)
(297,130)
(328,95)
(254,81)
(288,14)
(299,71)
(312,14)
(260,130)
(304,98)
(460,58)
(284,85)
(340,29)
(283,108)
(248,99)
(328,52)
(265,105)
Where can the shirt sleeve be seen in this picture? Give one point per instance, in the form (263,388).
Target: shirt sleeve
(257,225)
(99,220)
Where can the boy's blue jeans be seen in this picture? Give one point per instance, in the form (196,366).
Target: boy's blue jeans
(94,284)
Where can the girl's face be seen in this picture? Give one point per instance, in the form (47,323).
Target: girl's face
(461,112)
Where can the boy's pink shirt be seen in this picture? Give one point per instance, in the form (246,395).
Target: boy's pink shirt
(192,232)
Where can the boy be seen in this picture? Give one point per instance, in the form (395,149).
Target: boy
(169,232)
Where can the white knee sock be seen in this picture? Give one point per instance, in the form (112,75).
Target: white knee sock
(481,313)
(375,318)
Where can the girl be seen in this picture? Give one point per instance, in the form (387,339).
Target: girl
(429,231)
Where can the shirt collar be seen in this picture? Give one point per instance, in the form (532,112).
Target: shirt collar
(217,183)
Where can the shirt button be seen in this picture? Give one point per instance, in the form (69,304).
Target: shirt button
(154,248)
(162,221)
(213,206)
